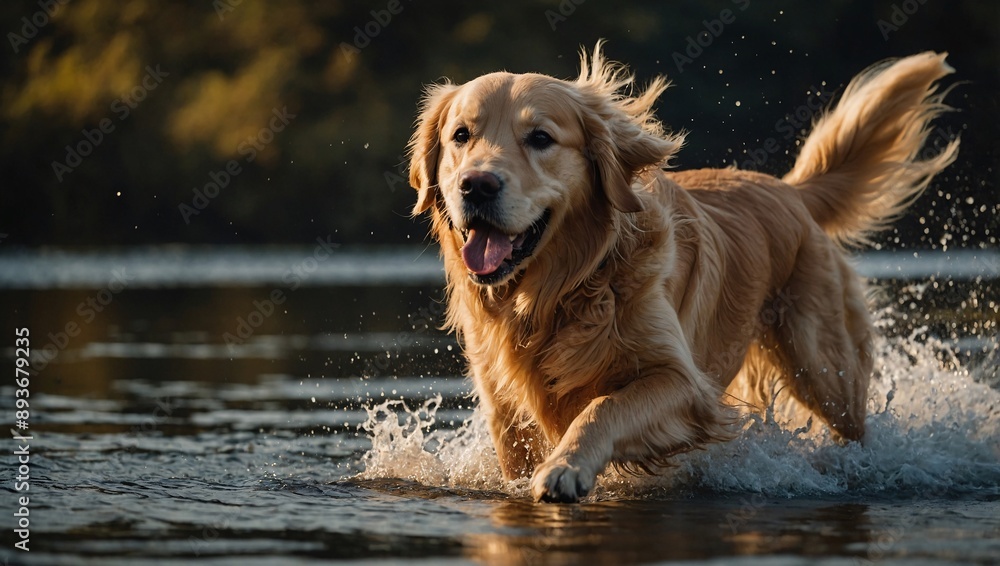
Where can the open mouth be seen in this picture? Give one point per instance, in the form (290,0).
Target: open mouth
(491,255)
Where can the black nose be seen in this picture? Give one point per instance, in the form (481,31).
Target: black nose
(479,187)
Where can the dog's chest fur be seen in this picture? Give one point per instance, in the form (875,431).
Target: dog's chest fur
(553,355)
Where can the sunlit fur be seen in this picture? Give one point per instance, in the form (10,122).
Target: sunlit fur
(651,292)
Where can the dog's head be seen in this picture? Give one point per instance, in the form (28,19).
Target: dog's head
(505,159)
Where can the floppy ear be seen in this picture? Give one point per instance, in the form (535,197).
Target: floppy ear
(425,144)
(623,135)
(620,150)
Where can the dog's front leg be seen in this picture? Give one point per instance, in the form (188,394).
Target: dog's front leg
(588,445)
(669,409)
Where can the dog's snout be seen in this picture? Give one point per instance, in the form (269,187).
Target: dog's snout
(479,187)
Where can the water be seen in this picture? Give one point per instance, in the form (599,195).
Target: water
(332,425)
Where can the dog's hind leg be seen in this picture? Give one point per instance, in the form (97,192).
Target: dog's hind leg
(824,338)
(518,444)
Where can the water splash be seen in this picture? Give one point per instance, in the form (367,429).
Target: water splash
(933,431)
(405,444)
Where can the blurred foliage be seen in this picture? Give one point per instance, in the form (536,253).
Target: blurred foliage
(182,89)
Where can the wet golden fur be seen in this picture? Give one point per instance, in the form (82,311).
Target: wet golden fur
(652,292)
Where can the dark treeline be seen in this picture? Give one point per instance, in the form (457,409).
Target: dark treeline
(277,121)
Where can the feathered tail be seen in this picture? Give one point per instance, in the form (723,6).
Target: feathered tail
(861,165)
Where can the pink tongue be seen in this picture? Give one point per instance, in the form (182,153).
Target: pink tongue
(485,249)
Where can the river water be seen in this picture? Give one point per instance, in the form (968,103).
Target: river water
(264,406)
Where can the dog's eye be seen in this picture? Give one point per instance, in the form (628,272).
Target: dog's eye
(461,135)
(539,139)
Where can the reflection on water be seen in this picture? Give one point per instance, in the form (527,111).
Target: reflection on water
(616,531)
(189,413)
(211,267)
(161,267)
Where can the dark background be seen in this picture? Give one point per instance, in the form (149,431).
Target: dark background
(338,165)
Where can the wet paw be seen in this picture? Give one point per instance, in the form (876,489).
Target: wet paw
(559,482)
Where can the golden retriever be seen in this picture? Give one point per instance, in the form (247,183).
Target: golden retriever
(605,305)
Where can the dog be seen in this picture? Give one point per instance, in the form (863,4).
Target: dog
(609,308)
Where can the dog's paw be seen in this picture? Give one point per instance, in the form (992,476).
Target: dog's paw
(560,482)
